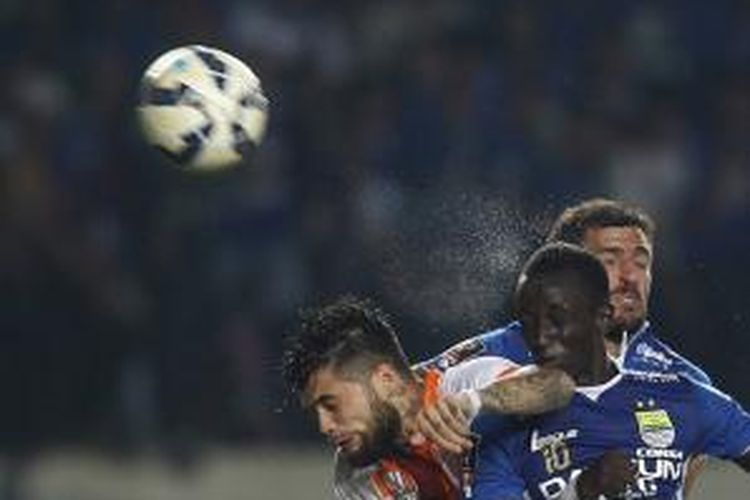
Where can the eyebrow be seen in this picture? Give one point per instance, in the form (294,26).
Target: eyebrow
(617,250)
(322,399)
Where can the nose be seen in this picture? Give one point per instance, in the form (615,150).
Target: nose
(627,272)
(546,333)
(326,424)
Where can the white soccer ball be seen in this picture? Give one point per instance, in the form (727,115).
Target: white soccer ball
(203,107)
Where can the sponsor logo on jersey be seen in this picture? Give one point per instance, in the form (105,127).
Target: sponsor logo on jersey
(538,442)
(651,355)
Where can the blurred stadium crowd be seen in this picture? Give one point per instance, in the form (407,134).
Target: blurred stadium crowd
(417,151)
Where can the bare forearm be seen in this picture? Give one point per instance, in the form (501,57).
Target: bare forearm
(538,392)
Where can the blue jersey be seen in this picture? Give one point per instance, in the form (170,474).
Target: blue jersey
(643,351)
(659,420)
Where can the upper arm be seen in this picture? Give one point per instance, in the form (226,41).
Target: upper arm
(506,341)
(477,373)
(463,351)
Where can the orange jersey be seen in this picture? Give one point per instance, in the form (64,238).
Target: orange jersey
(416,473)
(419,473)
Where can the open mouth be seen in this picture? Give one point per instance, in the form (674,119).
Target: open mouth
(342,442)
(627,297)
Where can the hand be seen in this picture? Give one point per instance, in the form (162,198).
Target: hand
(610,475)
(447,422)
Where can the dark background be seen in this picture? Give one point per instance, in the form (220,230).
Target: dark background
(417,151)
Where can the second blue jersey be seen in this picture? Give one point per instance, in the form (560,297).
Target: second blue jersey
(643,352)
(658,420)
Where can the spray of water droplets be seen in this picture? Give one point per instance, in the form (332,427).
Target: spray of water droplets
(456,255)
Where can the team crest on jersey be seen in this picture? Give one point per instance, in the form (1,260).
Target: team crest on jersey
(655,428)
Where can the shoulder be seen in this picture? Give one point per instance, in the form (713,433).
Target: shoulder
(649,353)
(673,386)
(479,372)
(647,390)
(706,392)
(506,342)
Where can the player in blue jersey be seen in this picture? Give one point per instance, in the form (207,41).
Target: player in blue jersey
(656,421)
(622,237)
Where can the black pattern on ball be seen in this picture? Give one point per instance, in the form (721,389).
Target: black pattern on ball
(216,65)
(241,142)
(193,145)
(160,96)
(207,129)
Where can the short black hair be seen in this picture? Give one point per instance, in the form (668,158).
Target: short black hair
(350,335)
(572,224)
(559,257)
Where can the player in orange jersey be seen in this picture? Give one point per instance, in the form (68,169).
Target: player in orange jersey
(347,365)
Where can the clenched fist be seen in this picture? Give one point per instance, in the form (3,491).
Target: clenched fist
(446,422)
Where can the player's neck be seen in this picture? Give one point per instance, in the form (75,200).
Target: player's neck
(621,333)
(600,370)
(614,349)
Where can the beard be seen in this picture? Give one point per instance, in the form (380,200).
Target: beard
(629,321)
(383,436)
(627,317)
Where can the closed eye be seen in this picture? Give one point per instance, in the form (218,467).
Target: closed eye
(327,402)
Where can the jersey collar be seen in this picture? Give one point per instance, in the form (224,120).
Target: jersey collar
(626,342)
(630,339)
(593,392)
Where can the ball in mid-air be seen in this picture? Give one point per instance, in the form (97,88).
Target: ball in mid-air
(202,107)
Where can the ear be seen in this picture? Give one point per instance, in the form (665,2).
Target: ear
(385,380)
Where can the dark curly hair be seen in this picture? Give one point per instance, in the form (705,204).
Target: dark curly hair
(351,336)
